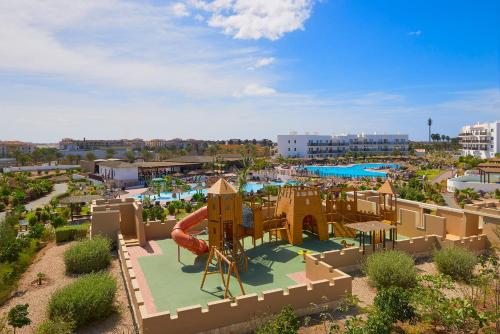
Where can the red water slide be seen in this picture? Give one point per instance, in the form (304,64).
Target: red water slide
(184,239)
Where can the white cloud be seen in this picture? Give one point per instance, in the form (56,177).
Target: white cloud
(256,90)
(264,62)
(129,45)
(256,19)
(416,33)
(179,9)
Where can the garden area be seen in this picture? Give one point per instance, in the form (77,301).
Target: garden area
(17,189)
(53,279)
(455,291)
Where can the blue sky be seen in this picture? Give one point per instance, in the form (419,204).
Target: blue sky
(245,68)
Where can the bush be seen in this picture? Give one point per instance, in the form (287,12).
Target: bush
(285,322)
(171,208)
(71,232)
(391,268)
(395,302)
(456,262)
(378,323)
(36,231)
(88,256)
(58,326)
(59,221)
(89,298)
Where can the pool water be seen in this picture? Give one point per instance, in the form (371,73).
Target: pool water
(249,187)
(354,171)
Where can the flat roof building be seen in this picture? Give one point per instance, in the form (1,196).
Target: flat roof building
(327,146)
(480,140)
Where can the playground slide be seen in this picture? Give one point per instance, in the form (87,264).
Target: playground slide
(184,239)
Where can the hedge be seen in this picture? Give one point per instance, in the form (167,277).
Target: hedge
(71,232)
(89,298)
(88,256)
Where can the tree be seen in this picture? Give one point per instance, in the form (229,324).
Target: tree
(89,156)
(147,155)
(443,137)
(429,124)
(130,156)
(18,316)
(110,153)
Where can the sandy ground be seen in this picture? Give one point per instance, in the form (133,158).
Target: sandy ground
(50,262)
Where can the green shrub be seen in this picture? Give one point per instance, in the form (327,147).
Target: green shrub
(391,268)
(456,262)
(88,256)
(285,322)
(395,302)
(188,207)
(36,231)
(89,298)
(57,326)
(71,232)
(59,221)
(171,208)
(378,323)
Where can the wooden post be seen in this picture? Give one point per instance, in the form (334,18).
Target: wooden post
(373,240)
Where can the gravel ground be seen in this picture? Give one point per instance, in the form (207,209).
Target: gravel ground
(366,293)
(50,262)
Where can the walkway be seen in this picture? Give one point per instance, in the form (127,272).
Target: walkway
(450,201)
(443,176)
(59,188)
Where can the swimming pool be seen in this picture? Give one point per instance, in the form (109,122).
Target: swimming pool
(249,187)
(354,171)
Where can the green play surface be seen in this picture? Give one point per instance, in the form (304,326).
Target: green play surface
(176,284)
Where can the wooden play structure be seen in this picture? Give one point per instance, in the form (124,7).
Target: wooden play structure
(298,209)
(225,233)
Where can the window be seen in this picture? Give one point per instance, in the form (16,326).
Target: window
(288,141)
(289,149)
(295,142)
(295,149)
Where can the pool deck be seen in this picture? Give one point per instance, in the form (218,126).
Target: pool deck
(167,284)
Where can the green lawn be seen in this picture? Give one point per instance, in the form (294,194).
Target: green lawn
(431,174)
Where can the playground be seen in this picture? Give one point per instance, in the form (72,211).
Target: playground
(244,249)
(271,265)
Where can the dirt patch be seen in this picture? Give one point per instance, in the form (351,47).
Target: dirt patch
(50,262)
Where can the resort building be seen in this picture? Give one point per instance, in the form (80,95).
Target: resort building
(326,146)
(481,140)
(8,148)
(68,144)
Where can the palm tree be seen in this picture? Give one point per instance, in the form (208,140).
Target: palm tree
(429,123)
(110,153)
(443,137)
(130,156)
(90,156)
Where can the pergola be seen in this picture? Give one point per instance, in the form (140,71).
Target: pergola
(73,200)
(371,227)
(488,168)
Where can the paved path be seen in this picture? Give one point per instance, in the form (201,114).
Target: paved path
(450,201)
(59,188)
(443,176)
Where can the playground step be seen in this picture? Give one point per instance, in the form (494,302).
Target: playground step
(131,242)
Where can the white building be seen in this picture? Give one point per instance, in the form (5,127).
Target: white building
(325,146)
(481,140)
(121,173)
